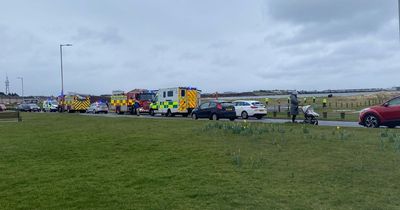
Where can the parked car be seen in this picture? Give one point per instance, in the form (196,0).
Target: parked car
(215,110)
(97,108)
(3,108)
(386,114)
(246,109)
(50,106)
(28,108)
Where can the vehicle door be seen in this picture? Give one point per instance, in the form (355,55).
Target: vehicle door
(238,108)
(212,109)
(247,108)
(202,110)
(390,111)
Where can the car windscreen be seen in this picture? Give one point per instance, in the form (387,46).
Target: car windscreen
(227,104)
(146,97)
(257,104)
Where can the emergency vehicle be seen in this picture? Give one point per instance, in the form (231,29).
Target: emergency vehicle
(173,101)
(144,98)
(74,103)
(120,102)
(50,105)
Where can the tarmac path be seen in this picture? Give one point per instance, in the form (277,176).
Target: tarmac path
(264,120)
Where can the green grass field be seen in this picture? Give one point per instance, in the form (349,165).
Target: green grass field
(62,161)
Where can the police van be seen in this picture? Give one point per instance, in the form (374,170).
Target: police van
(50,106)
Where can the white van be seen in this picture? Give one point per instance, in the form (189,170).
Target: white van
(50,106)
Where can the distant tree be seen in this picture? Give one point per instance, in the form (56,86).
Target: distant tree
(13,94)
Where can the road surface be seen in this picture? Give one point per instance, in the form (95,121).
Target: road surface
(266,120)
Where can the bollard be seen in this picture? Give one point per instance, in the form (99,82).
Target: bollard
(274,113)
(279,108)
(325,115)
(342,115)
(19,116)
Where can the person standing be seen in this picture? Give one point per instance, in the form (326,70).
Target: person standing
(136,105)
(294,105)
(324,102)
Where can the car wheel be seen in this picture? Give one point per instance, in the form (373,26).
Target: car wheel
(194,116)
(214,117)
(245,115)
(232,119)
(259,117)
(94,111)
(371,121)
(151,112)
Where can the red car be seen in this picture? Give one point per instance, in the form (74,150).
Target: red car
(387,114)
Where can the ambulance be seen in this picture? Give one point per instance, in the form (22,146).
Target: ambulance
(175,101)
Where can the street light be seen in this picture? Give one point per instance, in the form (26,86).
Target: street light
(22,82)
(62,75)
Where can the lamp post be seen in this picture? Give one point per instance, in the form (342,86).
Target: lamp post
(22,82)
(62,75)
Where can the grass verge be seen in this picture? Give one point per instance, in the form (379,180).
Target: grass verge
(53,161)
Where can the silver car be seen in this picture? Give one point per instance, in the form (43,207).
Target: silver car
(97,108)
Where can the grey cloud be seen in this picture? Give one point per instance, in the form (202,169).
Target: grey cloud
(332,20)
(313,11)
(221,44)
(190,56)
(107,35)
(302,44)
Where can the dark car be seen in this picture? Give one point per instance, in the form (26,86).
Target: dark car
(386,114)
(215,110)
(28,108)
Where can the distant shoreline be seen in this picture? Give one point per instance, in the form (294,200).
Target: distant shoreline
(302,95)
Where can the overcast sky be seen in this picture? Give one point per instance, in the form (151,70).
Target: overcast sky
(215,45)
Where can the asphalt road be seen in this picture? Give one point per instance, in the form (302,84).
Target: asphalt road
(266,120)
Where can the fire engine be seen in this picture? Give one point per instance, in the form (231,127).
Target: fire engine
(122,102)
(74,103)
(173,101)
